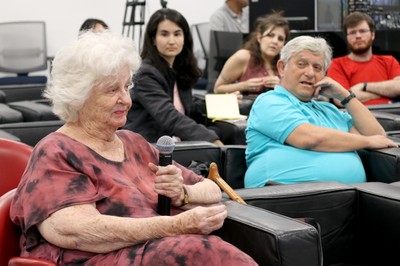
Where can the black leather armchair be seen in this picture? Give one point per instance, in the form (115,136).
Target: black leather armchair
(30,132)
(381,165)
(270,238)
(359,223)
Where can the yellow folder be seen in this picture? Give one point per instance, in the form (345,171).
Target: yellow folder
(223,107)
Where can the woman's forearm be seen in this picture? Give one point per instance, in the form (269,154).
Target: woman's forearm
(84,228)
(203,193)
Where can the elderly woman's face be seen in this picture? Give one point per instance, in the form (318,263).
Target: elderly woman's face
(108,105)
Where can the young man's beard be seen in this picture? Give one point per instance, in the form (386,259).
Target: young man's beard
(361,50)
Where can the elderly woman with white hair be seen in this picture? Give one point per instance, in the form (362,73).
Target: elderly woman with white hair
(89,193)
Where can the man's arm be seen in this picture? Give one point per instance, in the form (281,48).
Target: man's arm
(316,138)
(387,88)
(366,132)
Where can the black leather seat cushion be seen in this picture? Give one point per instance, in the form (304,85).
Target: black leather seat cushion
(8,115)
(34,111)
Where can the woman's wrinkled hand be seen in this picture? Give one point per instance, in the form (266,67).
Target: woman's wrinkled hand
(168,182)
(201,220)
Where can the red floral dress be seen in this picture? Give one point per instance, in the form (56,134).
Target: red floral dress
(63,172)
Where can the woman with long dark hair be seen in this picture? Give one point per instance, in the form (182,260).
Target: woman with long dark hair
(162,95)
(252,69)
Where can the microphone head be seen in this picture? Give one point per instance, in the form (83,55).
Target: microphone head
(165,145)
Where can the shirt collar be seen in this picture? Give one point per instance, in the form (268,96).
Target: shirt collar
(233,14)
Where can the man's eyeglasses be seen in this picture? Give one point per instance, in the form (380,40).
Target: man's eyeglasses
(361,31)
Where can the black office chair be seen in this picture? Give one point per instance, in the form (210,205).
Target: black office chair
(201,33)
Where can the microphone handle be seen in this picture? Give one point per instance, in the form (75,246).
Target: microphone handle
(164,202)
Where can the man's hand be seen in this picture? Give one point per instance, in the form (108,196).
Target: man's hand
(380,142)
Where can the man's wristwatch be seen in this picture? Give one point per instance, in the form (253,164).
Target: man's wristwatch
(348,98)
(185,200)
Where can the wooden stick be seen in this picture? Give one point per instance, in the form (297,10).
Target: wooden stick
(214,176)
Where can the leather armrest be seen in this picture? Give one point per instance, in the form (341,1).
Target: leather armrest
(31,132)
(270,238)
(234,165)
(332,205)
(389,121)
(6,135)
(378,234)
(22,92)
(381,165)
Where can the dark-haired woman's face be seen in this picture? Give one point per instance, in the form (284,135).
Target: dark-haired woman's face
(169,40)
(271,41)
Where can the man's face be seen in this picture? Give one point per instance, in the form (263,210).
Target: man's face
(360,38)
(300,74)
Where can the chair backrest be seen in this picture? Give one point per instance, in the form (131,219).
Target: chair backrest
(223,45)
(234,165)
(9,234)
(14,157)
(202,30)
(201,39)
(23,47)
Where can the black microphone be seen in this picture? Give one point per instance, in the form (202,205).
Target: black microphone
(165,146)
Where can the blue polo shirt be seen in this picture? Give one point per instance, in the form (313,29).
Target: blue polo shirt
(273,116)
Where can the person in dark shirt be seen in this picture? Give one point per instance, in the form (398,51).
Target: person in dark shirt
(162,94)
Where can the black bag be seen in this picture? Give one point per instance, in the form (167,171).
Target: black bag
(200,168)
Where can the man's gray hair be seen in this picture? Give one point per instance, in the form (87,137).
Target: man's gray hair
(316,45)
(85,64)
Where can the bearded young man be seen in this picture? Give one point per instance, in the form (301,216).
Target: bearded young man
(374,79)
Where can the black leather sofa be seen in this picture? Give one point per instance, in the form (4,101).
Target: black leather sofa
(22,92)
(358,223)
(29,132)
(24,114)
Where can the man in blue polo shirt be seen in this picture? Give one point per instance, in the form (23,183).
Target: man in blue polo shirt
(293,138)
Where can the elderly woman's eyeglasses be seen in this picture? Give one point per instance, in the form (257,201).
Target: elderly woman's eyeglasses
(360,31)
